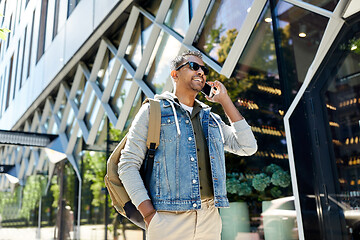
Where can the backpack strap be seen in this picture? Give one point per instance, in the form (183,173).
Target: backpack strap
(152,141)
(153,138)
(120,198)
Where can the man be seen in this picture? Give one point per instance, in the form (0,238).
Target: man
(188,182)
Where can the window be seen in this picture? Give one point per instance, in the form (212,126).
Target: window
(20,10)
(56,18)
(3,91)
(299,33)
(71,6)
(30,46)
(255,90)
(220,26)
(180,15)
(3,13)
(22,58)
(341,104)
(9,35)
(157,72)
(9,83)
(325,137)
(139,38)
(16,68)
(42,30)
(16,11)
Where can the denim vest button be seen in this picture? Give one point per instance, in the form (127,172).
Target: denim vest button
(192,159)
(168,120)
(194,205)
(187,121)
(190,138)
(194,181)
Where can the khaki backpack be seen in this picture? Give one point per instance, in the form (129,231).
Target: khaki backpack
(120,198)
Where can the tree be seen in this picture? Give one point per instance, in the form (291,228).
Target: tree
(33,191)
(3,31)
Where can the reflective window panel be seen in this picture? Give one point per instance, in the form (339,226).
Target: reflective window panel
(138,40)
(220,27)
(70,123)
(299,34)
(180,15)
(152,6)
(63,101)
(259,186)
(326,4)
(158,70)
(103,74)
(120,91)
(342,99)
(80,91)
(92,109)
(134,109)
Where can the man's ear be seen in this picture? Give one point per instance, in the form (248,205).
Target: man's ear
(173,74)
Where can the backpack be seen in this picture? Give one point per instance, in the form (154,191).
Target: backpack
(119,197)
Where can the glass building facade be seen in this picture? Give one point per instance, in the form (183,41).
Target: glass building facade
(291,68)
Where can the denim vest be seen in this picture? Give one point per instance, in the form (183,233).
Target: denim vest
(174,184)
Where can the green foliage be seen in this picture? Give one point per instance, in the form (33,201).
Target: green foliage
(55,189)
(261,181)
(273,182)
(234,85)
(33,191)
(238,187)
(281,178)
(214,38)
(115,134)
(272,168)
(353,46)
(94,172)
(8,198)
(226,43)
(70,184)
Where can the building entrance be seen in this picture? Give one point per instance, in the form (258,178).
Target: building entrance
(330,156)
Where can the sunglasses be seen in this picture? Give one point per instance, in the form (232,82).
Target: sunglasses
(194,66)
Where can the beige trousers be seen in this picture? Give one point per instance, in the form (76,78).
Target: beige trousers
(204,224)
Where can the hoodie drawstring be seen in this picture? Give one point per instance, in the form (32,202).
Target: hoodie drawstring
(175,115)
(221,132)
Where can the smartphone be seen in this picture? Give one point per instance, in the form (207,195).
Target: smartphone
(208,90)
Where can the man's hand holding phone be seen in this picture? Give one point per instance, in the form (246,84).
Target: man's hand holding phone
(217,92)
(214,91)
(208,90)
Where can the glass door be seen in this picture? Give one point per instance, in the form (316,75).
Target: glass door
(333,101)
(342,102)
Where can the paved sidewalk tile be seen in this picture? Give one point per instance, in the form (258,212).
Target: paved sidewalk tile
(87,232)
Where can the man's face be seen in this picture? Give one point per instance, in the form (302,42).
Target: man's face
(190,79)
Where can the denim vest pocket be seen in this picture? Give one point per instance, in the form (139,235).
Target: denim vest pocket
(168,132)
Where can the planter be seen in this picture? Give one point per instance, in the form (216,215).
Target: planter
(234,220)
(279,220)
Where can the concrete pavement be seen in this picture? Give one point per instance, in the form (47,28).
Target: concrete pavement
(87,232)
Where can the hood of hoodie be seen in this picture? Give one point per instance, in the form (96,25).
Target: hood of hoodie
(171,97)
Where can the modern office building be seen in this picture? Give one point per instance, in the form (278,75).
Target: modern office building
(79,69)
